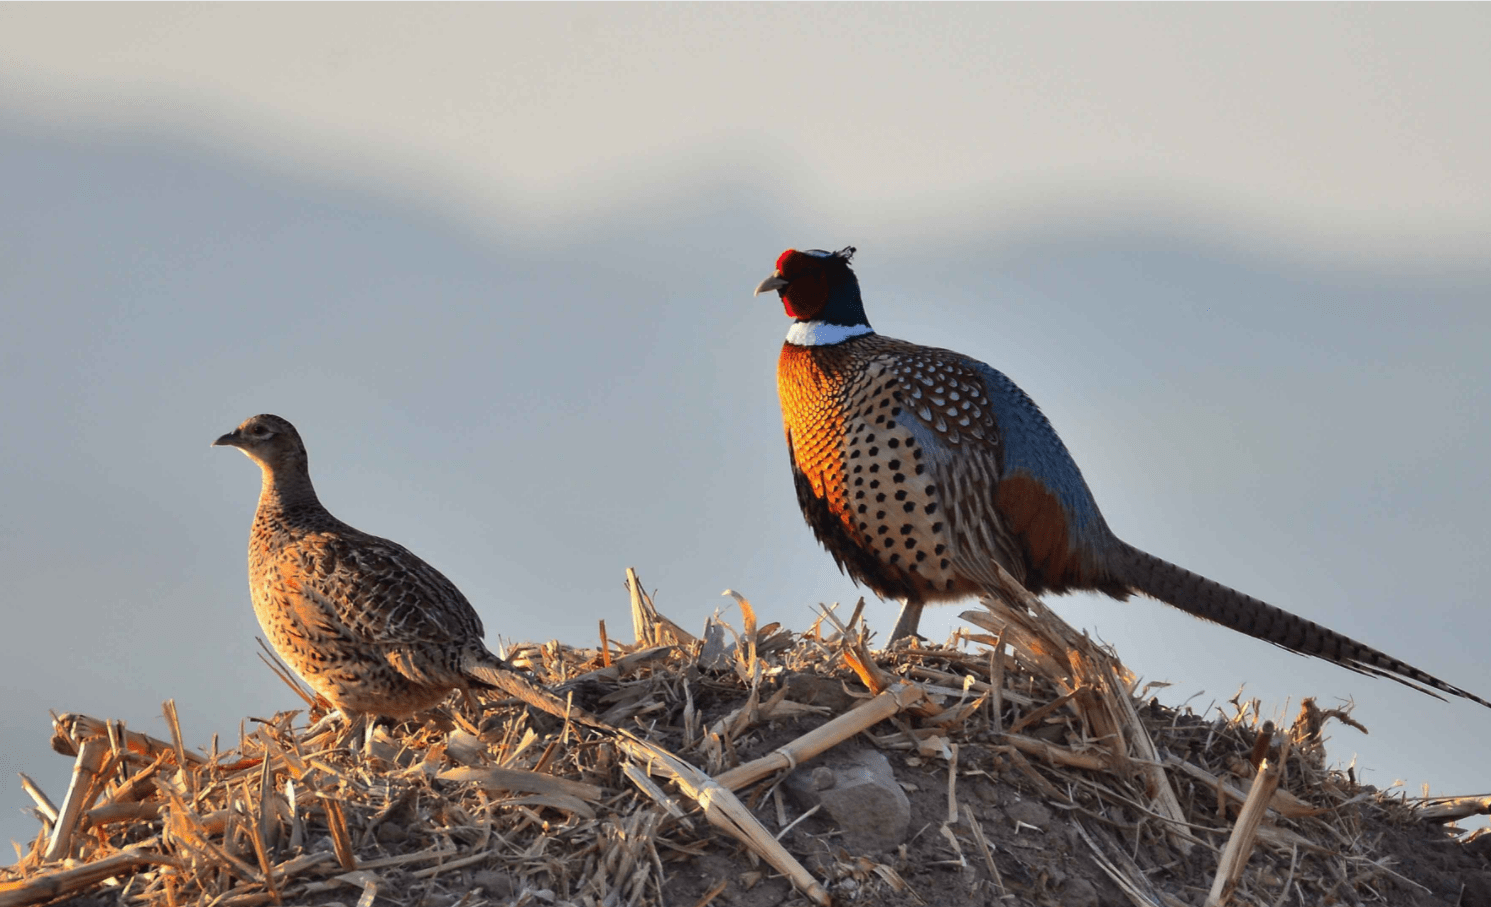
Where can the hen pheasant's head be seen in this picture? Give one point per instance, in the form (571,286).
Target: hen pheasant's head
(806,280)
(268,440)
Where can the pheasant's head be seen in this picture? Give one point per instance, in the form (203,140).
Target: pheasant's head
(809,281)
(268,440)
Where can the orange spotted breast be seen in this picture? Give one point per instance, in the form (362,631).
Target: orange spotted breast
(859,416)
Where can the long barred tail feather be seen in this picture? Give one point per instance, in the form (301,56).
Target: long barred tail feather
(487,670)
(1213,601)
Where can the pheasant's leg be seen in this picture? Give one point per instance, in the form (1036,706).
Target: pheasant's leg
(906,624)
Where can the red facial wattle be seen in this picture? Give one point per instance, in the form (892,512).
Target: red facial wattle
(807,290)
(781,267)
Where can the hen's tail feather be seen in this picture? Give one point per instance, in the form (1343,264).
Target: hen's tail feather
(492,673)
(1209,600)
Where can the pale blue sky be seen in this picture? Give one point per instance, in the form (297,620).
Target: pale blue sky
(496,263)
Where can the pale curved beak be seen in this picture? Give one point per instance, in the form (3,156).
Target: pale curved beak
(774,282)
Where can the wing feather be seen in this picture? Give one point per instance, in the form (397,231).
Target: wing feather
(381,592)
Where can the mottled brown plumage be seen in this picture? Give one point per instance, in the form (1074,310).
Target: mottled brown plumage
(361,619)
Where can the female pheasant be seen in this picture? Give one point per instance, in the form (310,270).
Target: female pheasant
(361,619)
(919,468)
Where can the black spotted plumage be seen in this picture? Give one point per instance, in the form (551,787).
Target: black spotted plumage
(986,480)
(846,552)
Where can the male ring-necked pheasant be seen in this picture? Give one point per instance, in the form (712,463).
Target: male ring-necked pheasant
(919,468)
(364,621)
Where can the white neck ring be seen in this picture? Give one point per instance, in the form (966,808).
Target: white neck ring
(817,333)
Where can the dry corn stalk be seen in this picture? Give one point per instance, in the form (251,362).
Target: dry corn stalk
(725,811)
(1245,831)
(1094,688)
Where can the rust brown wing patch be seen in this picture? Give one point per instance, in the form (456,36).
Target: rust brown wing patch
(1034,515)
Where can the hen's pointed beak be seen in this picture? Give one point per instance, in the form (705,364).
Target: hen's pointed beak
(774,282)
(231,439)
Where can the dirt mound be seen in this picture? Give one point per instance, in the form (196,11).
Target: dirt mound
(751,768)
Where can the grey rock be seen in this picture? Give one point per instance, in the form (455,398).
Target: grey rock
(495,884)
(1029,812)
(859,793)
(811,689)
